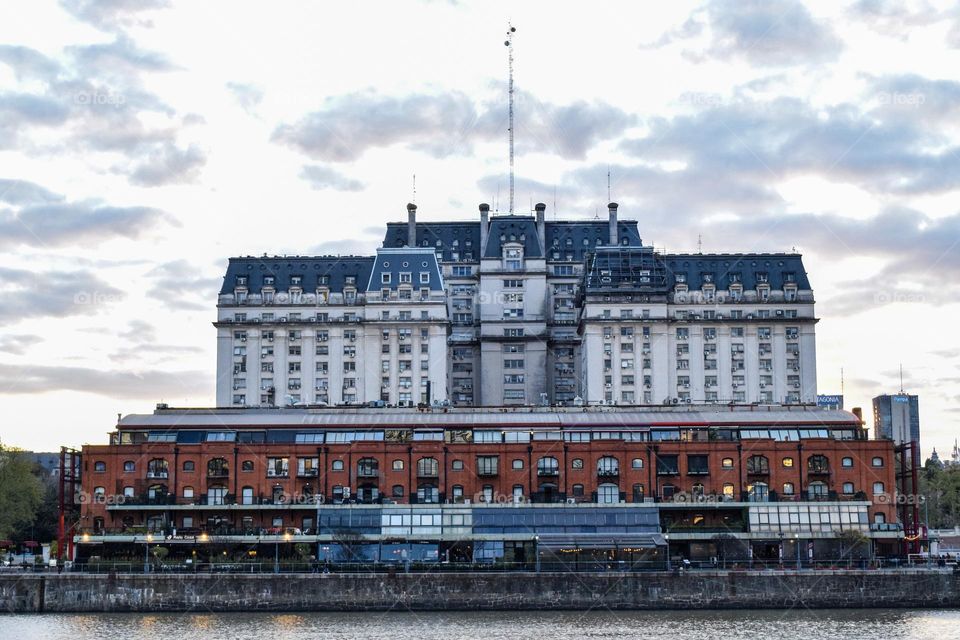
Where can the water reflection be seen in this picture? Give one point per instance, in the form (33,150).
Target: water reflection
(675,625)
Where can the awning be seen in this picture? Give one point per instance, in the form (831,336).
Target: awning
(588,541)
(31,544)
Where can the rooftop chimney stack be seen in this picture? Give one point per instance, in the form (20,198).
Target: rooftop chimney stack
(614,237)
(484,227)
(411,224)
(541,226)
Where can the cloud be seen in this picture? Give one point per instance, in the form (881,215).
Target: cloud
(321,177)
(18,192)
(52,223)
(119,384)
(17,344)
(169,165)
(445,124)
(895,18)
(248,96)
(765,33)
(28,63)
(59,294)
(182,286)
(113,15)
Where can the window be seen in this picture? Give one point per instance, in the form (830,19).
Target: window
(368,468)
(246,465)
(758,492)
(517,463)
(188,492)
(697,465)
(877,462)
(458,493)
(99,466)
(788,488)
(129,465)
(398,465)
(427,468)
(636,463)
(728,491)
(337,465)
(847,488)
(788,462)
(727,463)
(818,464)
(668,465)
(457,465)
(878,488)
(217,468)
(578,491)
(547,466)
(278,467)
(608,466)
(576,464)
(846,462)
(397,491)
(817,491)
(188,465)
(758,464)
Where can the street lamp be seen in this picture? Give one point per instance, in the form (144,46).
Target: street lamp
(666,537)
(796,543)
(146,553)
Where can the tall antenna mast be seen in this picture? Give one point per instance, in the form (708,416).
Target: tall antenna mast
(414,189)
(609,199)
(509,44)
(901,378)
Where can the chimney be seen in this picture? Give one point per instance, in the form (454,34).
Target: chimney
(614,237)
(541,226)
(484,227)
(411,224)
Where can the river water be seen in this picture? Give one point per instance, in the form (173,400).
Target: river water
(875,624)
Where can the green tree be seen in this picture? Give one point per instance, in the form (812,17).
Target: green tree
(21,492)
(940,489)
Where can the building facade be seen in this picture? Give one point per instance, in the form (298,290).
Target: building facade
(757,474)
(516,310)
(897,417)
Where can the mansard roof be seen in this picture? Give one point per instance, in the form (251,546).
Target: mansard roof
(724,268)
(446,237)
(513,228)
(327,271)
(412,261)
(568,236)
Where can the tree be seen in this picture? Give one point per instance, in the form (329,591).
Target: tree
(940,489)
(21,492)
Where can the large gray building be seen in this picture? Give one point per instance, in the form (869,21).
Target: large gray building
(897,417)
(516,310)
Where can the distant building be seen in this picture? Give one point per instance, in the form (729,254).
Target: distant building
(50,462)
(897,417)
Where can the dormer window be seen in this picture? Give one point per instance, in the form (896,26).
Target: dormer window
(405,277)
(296,281)
(707,278)
(350,280)
(268,281)
(424,277)
(763,277)
(241,281)
(323,280)
(735,278)
(790,277)
(681,278)
(384,278)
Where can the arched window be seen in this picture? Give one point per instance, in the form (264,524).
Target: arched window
(758,492)
(877,461)
(608,493)
(817,491)
(518,493)
(99,494)
(878,488)
(577,463)
(727,463)
(427,468)
(728,491)
(188,465)
(129,465)
(128,492)
(397,491)
(638,493)
(217,468)
(368,468)
(99,466)
(697,490)
(547,466)
(246,465)
(758,465)
(847,488)
(879,517)
(458,493)
(157,492)
(787,462)
(398,465)
(668,490)
(818,464)
(578,491)
(246,495)
(486,493)
(188,492)
(157,468)
(336,465)
(608,466)
(846,462)
(517,463)
(788,488)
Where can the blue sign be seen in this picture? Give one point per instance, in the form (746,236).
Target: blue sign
(830,401)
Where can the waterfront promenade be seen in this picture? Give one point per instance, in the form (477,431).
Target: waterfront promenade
(769,589)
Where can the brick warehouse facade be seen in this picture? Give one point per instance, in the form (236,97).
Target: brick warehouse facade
(694,471)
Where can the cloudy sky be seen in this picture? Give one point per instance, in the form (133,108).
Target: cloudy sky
(142,143)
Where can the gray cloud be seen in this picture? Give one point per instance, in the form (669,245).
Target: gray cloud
(48,224)
(169,165)
(895,18)
(19,192)
(445,124)
(182,286)
(113,15)
(762,32)
(28,63)
(320,177)
(60,294)
(17,344)
(248,96)
(141,385)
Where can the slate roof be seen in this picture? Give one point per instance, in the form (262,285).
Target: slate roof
(311,269)
(568,236)
(507,229)
(412,261)
(463,237)
(724,266)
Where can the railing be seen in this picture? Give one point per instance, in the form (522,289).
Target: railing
(158,475)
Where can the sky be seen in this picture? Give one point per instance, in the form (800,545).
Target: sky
(143,143)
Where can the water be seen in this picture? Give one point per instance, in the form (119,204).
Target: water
(871,624)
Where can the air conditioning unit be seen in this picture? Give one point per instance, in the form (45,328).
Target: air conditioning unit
(283,319)
(686,385)
(607,385)
(763,385)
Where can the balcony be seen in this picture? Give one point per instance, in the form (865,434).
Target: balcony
(549,472)
(487,472)
(608,473)
(307,473)
(158,475)
(368,473)
(217,473)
